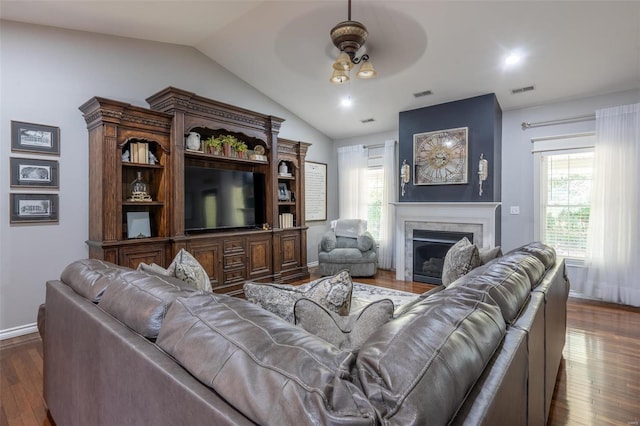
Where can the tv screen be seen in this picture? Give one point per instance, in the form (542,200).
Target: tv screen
(219,198)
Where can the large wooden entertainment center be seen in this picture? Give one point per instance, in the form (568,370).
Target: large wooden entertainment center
(230,256)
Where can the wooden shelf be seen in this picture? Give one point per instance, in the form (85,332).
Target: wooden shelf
(203,156)
(143,203)
(143,165)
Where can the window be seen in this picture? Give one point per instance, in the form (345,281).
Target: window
(375,186)
(563,173)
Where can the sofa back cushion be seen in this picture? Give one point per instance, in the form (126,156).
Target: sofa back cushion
(140,300)
(546,254)
(417,368)
(270,370)
(90,277)
(506,283)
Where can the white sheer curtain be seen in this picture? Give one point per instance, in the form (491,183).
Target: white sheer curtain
(613,255)
(352,182)
(387,219)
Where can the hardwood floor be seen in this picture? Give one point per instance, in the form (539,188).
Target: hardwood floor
(598,382)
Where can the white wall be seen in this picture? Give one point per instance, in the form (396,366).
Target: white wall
(45,75)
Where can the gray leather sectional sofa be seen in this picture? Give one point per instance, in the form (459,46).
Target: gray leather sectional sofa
(122,347)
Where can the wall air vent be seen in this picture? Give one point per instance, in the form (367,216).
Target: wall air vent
(421,94)
(522,90)
(367,120)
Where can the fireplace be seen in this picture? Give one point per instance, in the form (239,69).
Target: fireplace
(482,220)
(429,250)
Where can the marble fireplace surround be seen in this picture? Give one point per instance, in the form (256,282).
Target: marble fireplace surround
(476,218)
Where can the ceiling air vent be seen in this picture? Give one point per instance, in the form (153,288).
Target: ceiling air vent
(367,120)
(522,90)
(421,94)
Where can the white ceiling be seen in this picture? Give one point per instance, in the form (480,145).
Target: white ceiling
(456,49)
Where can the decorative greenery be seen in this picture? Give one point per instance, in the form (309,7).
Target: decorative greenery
(216,143)
(234,143)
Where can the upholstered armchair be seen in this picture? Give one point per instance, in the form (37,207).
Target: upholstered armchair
(348,245)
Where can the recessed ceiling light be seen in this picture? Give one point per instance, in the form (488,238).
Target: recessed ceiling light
(346,102)
(512,59)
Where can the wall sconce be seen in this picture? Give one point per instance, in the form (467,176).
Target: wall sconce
(405,175)
(483,171)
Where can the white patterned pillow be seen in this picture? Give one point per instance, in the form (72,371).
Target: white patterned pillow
(334,293)
(461,258)
(189,270)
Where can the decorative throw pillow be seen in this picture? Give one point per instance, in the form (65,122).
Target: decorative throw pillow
(461,258)
(489,253)
(333,292)
(187,268)
(344,332)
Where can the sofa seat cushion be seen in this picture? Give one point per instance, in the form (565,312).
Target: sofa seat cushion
(417,368)
(347,255)
(333,292)
(90,277)
(345,332)
(271,371)
(461,258)
(140,300)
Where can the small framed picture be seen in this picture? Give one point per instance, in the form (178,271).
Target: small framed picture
(33,208)
(283,192)
(36,138)
(33,173)
(138,225)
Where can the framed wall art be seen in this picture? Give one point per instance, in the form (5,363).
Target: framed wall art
(36,138)
(34,173)
(440,157)
(33,208)
(315,197)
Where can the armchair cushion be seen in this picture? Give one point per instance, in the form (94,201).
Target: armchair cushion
(365,242)
(328,241)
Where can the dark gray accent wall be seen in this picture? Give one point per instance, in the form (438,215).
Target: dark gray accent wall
(483,116)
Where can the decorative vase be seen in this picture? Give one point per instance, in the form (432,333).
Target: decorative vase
(193,141)
(138,189)
(226,148)
(283,169)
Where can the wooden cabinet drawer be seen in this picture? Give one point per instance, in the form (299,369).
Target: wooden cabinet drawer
(233,245)
(234,276)
(234,261)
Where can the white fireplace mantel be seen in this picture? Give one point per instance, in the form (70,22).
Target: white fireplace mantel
(479,218)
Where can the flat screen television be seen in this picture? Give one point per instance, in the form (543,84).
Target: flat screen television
(222,199)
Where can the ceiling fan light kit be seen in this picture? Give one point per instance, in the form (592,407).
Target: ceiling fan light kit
(349,37)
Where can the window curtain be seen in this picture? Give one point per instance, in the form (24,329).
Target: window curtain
(352,182)
(613,255)
(387,218)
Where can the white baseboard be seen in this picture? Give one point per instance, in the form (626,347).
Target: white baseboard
(18,331)
(312,264)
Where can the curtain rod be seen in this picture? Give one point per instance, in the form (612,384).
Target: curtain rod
(380,145)
(526,125)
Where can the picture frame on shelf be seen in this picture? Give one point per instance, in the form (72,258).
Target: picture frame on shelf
(33,173)
(33,208)
(35,138)
(138,225)
(283,192)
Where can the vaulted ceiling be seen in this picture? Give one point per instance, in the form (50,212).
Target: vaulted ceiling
(455,49)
